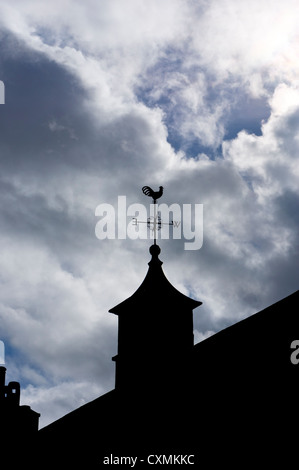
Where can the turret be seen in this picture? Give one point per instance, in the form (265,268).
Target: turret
(155,333)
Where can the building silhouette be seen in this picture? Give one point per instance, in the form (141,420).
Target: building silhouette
(18,423)
(230,399)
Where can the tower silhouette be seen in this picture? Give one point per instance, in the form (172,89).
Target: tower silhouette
(155,334)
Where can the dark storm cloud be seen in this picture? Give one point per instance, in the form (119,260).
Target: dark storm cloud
(39,92)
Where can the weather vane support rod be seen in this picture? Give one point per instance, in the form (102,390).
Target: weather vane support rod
(155,195)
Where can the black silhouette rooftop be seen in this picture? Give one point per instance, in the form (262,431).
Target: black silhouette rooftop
(155,289)
(239,385)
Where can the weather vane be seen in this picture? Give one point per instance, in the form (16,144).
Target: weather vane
(154,223)
(154,194)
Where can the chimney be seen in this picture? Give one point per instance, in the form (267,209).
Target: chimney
(2,376)
(13,393)
(2,382)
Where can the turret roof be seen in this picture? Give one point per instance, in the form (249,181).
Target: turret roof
(155,288)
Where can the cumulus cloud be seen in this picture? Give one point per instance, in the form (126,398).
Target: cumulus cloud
(201,97)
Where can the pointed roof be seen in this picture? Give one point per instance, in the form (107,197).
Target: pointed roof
(155,287)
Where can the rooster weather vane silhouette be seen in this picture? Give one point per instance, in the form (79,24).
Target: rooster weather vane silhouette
(154,194)
(154,223)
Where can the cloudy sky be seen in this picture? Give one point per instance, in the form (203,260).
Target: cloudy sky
(103,97)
